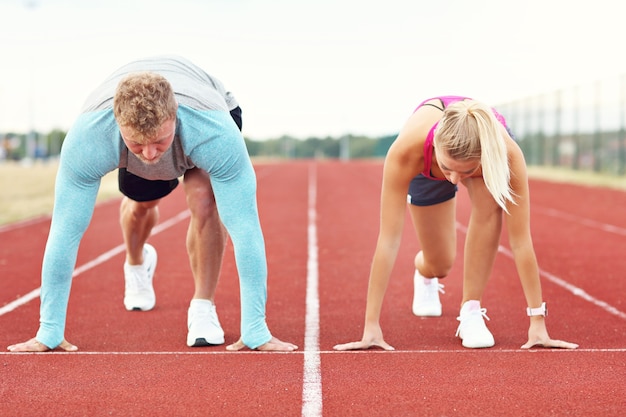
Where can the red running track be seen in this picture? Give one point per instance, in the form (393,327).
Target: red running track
(320,221)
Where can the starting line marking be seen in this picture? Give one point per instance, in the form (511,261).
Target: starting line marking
(330,352)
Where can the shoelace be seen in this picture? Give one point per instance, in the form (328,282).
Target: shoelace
(439,287)
(482,312)
(432,289)
(137,282)
(205,315)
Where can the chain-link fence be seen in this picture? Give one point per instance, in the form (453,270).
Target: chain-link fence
(582,127)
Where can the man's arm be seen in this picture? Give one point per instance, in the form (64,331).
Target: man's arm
(90,150)
(221,151)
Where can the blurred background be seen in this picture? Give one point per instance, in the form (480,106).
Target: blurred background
(332,78)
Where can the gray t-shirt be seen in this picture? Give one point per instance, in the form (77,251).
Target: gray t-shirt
(192,86)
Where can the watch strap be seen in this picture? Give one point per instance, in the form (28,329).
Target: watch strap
(539,311)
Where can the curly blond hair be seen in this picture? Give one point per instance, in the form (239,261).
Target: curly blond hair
(469,130)
(143,101)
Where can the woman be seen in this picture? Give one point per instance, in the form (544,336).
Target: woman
(447,141)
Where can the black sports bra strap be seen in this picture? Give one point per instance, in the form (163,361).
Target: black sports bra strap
(435,106)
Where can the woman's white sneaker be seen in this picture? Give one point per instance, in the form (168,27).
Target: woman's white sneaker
(472,328)
(426,291)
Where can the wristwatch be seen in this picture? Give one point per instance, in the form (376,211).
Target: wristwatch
(539,311)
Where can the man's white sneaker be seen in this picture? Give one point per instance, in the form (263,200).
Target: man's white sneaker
(139,293)
(203,325)
(426,296)
(472,328)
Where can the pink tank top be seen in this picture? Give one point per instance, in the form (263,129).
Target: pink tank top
(428,145)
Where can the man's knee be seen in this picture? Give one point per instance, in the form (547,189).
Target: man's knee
(201,201)
(137,207)
(199,193)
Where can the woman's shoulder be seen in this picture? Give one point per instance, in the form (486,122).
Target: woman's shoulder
(421,124)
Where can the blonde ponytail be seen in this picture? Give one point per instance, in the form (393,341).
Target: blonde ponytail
(469,130)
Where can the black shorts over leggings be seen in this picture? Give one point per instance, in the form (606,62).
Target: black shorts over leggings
(141,189)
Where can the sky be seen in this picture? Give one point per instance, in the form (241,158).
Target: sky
(307,68)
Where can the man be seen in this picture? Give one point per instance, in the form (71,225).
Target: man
(157,119)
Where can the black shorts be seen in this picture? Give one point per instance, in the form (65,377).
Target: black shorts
(141,189)
(428,192)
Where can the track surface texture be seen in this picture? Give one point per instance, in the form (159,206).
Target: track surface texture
(320,220)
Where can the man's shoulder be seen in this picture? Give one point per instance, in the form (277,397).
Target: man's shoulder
(202,120)
(96,121)
(94,136)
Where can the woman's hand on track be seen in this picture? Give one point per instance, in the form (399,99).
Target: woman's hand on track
(371,337)
(363,344)
(538,336)
(33,345)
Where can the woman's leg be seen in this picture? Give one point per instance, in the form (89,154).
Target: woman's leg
(435,228)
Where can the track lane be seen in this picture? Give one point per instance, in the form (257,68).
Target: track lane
(131,359)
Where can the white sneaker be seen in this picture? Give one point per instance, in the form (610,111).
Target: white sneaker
(139,293)
(203,324)
(472,328)
(426,296)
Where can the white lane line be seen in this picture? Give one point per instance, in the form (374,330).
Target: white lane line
(609,228)
(578,292)
(93,263)
(312,379)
